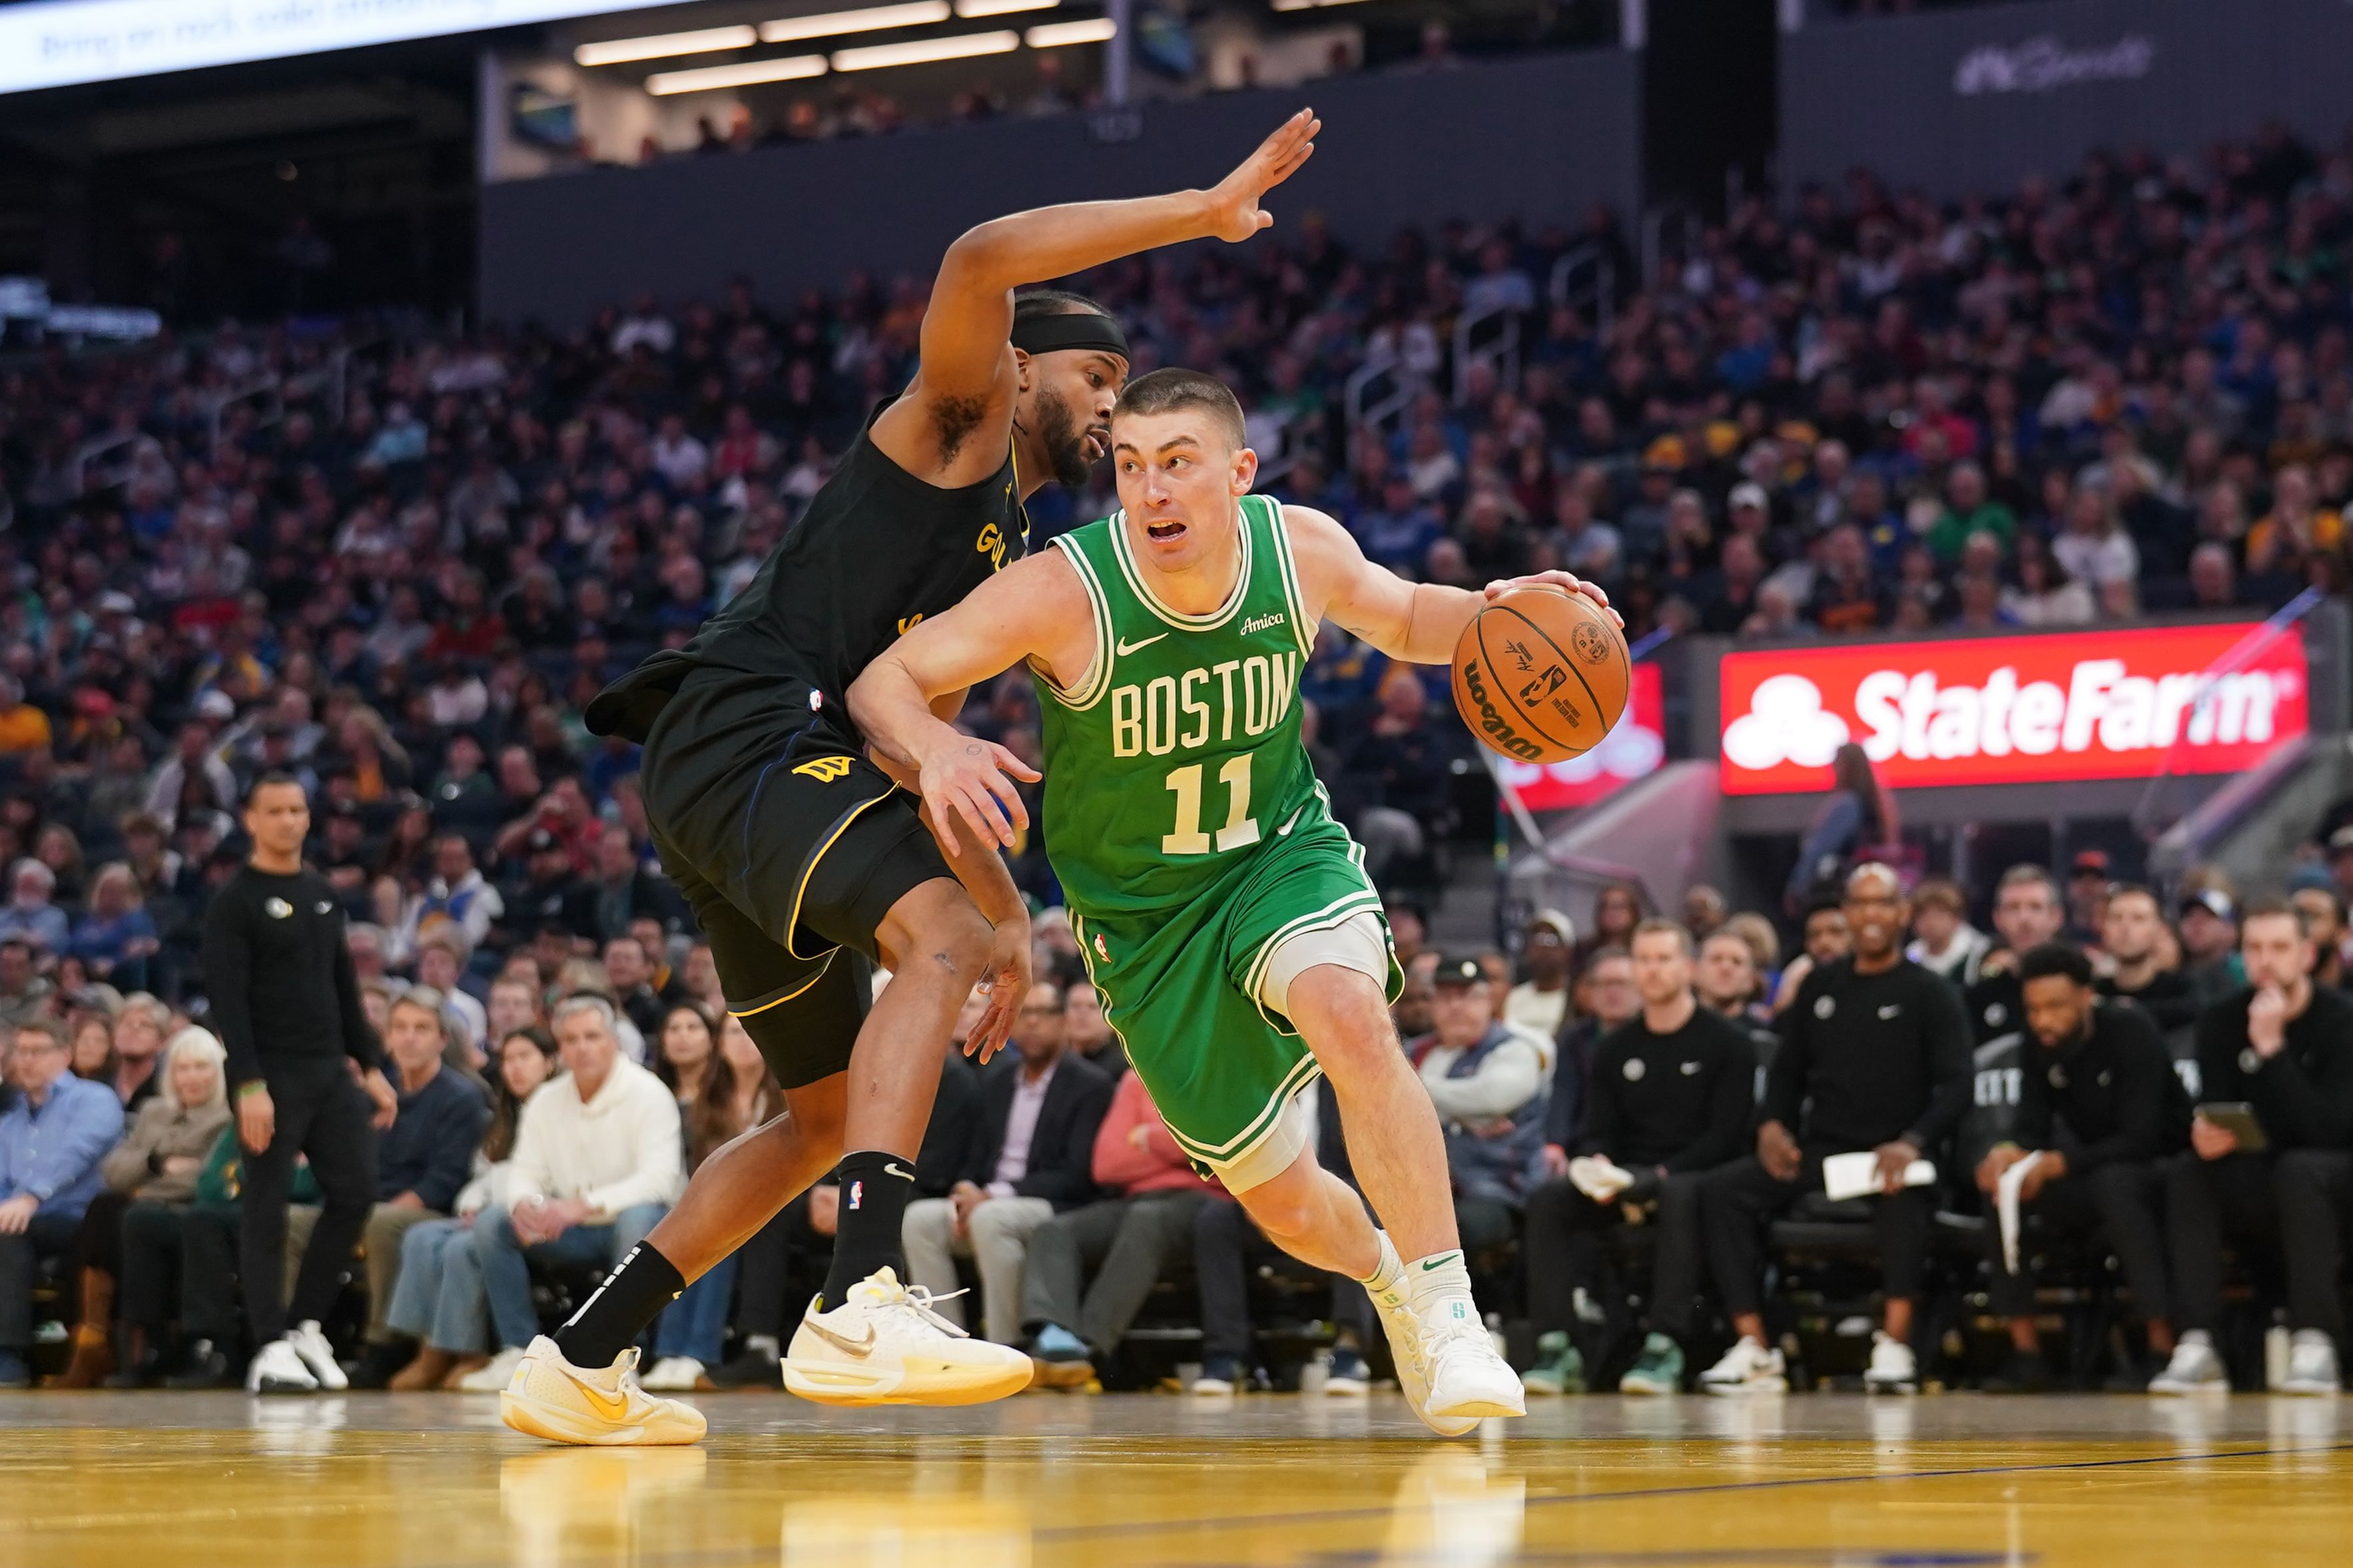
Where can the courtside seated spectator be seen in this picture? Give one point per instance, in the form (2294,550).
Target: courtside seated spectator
(1032,1158)
(1128,1235)
(53,1138)
(1667,1102)
(2099,1106)
(156,1162)
(2133,935)
(2284,1048)
(449,1325)
(1874,1057)
(1487,1081)
(422,1161)
(597,1162)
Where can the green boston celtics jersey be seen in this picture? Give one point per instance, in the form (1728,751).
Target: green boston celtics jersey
(1177,756)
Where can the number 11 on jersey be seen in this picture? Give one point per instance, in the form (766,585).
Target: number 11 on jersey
(1240,827)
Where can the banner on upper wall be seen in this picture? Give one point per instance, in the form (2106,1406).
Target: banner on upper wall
(2035,709)
(1977,98)
(1633,748)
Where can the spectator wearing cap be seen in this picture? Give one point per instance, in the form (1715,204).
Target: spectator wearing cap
(2211,956)
(548,896)
(1942,938)
(2099,1108)
(1667,1102)
(53,1138)
(2087,896)
(2282,1048)
(29,916)
(2142,958)
(1540,1002)
(1487,1082)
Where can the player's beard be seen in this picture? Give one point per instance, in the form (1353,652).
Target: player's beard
(1065,443)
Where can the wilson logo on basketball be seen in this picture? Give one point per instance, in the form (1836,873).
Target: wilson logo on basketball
(1499,731)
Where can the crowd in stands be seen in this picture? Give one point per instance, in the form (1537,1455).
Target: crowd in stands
(1865,412)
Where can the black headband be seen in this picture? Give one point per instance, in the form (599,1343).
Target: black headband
(1074,330)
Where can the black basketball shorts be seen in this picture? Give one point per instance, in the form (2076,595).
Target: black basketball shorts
(790,865)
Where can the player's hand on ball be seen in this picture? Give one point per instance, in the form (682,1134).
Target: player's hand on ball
(971,782)
(1007,979)
(1564,581)
(1234,211)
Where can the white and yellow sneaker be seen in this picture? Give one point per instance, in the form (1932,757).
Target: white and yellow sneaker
(886,1346)
(603,1407)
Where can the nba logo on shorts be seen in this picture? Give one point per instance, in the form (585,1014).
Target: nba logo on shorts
(857,1190)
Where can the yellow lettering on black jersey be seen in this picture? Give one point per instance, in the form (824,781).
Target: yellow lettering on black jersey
(991,543)
(906,621)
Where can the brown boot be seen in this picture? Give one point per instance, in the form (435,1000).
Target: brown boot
(93,1354)
(425,1372)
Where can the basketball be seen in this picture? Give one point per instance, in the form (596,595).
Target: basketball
(1541,675)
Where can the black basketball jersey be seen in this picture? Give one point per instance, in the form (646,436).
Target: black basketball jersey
(876,550)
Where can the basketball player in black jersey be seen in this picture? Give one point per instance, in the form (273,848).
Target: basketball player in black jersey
(803,862)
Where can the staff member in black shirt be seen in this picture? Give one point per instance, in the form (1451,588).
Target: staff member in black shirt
(2104,1078)
(2133,934)
(2284,1048)
(303,1067)
(1669,1101)
(2027,911)
(1874,1056)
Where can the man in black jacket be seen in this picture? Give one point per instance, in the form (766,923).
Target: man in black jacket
(2282,1048)
(1667,1102)
(2132,933)
(2098,1105)
(1874,1057)
(285,1001)
(1031,1157)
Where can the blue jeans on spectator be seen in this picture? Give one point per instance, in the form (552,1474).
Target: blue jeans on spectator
(438,1296)
(696,1324)
(505,1263)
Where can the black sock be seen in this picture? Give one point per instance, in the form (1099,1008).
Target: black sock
(875,1187)
(617,1310)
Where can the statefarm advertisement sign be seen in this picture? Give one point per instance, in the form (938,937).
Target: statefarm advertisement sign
(2015,709)
(1634,747)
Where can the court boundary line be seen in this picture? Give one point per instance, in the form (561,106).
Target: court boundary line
(1064,1533)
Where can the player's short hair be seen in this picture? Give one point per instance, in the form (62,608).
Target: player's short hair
(1659,925)
(2046,959)
(1166,391)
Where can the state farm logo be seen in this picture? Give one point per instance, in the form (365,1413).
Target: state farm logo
(1784,723)
(2119,704)
(2045,64)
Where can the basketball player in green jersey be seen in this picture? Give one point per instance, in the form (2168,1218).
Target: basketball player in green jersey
(1223,913)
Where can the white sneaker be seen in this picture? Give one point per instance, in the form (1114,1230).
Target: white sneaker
(1469,1378)
(1747,1368)
(673,1374)
(886,1346)
(603,1407)
(1405,1336)
(2194,1368)
(494,1375)
(279,1370)
(1210,1386)
(317,1354)
(2312,1365)
(1893,1369)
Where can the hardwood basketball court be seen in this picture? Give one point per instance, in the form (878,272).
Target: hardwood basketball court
(432,1481)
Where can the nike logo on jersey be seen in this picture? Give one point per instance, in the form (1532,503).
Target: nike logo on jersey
(1126,647)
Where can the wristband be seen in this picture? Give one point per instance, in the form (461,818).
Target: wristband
(249,1089)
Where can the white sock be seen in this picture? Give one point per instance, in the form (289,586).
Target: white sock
(1386,1269)
(1440,1282)
(2305,1339)
(766,1344)
(2198,1337)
